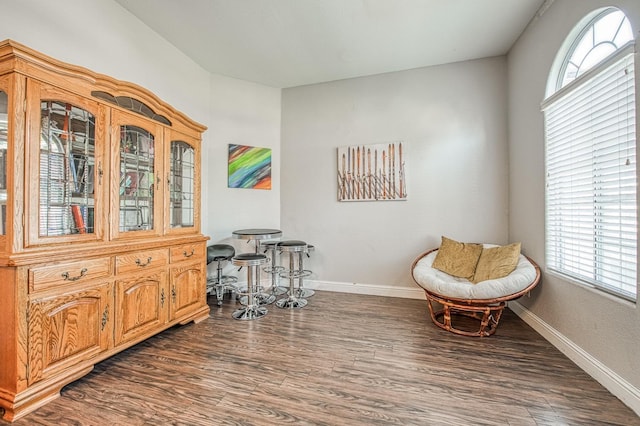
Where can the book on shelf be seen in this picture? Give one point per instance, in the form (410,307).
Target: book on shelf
(128,183)
(89,217)
(78,219)
(81,172)
(73,171)
(132,183)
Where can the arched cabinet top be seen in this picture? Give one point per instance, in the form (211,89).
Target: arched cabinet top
(15,57)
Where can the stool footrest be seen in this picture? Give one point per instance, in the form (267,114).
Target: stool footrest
(295,274)
(226,279)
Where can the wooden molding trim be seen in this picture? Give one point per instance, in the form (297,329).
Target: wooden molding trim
(83,81)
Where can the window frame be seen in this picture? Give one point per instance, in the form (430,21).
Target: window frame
(557,89)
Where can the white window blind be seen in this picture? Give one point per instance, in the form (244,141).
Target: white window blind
(591,219)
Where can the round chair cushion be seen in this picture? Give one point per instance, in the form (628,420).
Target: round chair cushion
(447,286)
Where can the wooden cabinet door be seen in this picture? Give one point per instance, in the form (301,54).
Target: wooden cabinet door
(141,305)
(68,328)
(188,289)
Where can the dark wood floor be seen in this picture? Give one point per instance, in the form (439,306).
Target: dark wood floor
(344,359)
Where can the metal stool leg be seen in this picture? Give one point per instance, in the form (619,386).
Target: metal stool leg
(263,297)
(301,291)
(220,283)
(274,270)
(252,310)
(223,283)
(292,301)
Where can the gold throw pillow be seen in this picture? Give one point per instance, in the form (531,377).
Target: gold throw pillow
(497,262)
(457,259)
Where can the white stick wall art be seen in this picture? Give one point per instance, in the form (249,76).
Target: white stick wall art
(372,172)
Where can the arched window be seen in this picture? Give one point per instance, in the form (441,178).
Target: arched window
(590,156)
(609,31)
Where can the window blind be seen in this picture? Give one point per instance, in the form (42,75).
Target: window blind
(591,219)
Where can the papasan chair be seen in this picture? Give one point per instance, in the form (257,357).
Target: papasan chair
(473,291)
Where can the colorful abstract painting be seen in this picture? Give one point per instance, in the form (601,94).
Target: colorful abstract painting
(249,167)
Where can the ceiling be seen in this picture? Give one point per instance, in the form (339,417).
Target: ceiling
(287,43)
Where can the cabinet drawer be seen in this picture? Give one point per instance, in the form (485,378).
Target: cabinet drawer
(187,252)
(64,273)
(139,261)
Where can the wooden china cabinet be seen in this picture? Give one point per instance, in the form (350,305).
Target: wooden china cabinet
(100,240)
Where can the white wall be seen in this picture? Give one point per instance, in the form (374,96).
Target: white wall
(452,121)
(601,333)
(104,37)
(247,114)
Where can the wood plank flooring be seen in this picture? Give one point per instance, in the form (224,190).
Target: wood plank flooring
(345,359)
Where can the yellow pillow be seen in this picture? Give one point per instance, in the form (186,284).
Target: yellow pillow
(457,259)
(497,262)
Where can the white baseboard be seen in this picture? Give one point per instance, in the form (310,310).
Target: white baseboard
(358,288)
(341,287)
(618,386)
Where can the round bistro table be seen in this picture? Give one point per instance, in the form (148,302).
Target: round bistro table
(256,235)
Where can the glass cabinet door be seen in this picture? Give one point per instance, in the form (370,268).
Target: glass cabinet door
(67,160)
(138,172)
(184,189)
(4,133)
(66,150)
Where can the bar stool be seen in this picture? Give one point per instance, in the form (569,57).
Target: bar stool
(220,253)
(294,248)
(252,261)
(272,250)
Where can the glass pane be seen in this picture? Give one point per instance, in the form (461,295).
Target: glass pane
(583,48)
(181,185)
(3,161)
(132,104)
(136,179)
(607,27)
(67,169)
(595,56)
(605,34)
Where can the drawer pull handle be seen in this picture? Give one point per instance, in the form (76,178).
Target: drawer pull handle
(139,262)
(188,254)
(105,317)
(66,277)
(162,298)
